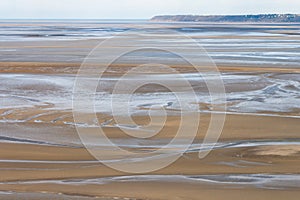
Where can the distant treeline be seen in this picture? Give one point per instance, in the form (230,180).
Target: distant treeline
(268,18)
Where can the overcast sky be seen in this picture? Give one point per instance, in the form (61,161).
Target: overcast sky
(138,9)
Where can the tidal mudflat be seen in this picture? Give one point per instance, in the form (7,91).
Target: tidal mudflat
(258,152)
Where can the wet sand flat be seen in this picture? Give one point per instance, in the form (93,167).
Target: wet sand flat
(269,154)
(256,157)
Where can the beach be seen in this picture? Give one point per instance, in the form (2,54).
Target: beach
(256,156)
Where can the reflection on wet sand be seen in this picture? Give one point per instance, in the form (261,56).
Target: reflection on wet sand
(257,154)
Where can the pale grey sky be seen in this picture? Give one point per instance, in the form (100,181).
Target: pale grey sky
(138,9)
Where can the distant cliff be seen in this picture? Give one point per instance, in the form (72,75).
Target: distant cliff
(267,18)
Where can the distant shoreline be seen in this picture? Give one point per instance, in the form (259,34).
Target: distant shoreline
(264,18)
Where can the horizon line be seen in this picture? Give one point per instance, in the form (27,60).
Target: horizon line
(123,19)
